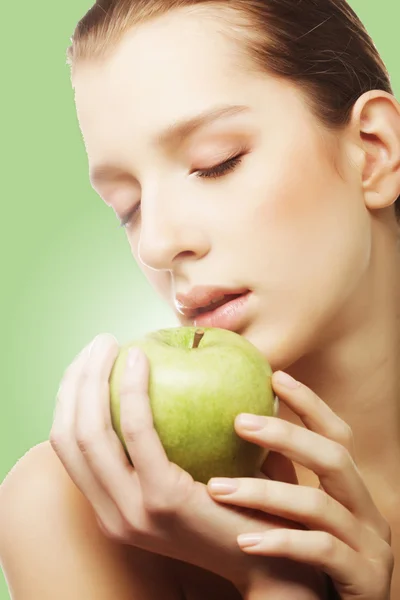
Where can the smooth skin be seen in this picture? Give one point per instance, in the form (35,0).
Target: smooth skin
(345,534)
(305,220)
(51,545)
(158,508)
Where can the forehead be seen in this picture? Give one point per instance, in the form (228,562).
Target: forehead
(172,53)
(163,71)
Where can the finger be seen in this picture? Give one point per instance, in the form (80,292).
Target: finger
(96,439)
(317,548)
(309,506)
(63,442)
(329,460)
(279,468)
(319,418)
(316,415)
(70,373)
(93,410)
(137,425)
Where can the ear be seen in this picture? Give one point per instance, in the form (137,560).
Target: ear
(376,122)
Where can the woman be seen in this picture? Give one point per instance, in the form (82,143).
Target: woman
(284,187)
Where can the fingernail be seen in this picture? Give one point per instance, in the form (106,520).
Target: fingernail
(97,345)
(286,380)
(222,485)
(133,355)
(252,422)
(100,343)
(249,539)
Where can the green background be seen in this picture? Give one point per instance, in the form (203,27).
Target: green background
(66,268)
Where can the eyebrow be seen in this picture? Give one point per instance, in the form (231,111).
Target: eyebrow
(175,134)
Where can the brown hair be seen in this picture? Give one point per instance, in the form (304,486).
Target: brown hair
(320,45)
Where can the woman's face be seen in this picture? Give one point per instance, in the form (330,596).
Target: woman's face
(283,223)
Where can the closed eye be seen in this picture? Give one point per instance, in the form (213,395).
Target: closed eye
(129,216)
(213,173)
(221,169)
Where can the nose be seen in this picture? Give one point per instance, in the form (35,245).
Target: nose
(171,231)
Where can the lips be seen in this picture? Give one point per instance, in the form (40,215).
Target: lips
(204,299)
(215,304)
(233,314)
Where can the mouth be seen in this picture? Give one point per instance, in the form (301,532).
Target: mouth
(212,301)
(214,304)
(230,312)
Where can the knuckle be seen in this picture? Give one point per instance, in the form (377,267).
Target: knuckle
(285,539)
(163,503)
(173,492)
(339,458)
(345,435)
(133,431)
(57,440)
(112,530)
(131,517)
(158,506)
(320,503)
(87,439)
(328,546)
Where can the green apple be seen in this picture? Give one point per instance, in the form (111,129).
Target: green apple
(200,380)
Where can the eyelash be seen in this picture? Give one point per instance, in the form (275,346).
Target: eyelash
(213,173)
(128,217)
(222,168)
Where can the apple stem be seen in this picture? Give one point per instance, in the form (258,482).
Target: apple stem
(197,337)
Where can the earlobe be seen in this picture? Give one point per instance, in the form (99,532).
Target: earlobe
(376,114)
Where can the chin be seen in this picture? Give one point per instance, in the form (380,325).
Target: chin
(281,347)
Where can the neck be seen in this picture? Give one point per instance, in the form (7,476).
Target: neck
(357,371)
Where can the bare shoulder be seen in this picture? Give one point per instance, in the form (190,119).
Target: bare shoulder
(42,452)
(39,486)
(45,518)
(51,545)
(35,469)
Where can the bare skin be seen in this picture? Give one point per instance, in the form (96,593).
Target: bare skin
(320,215)
(334,235)
(56,512)
(51,545)
(322,196)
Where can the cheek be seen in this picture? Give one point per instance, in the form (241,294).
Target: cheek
(310,246)
(309,225)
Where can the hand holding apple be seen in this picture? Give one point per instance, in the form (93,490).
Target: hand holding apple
(200,380)
(155,506)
